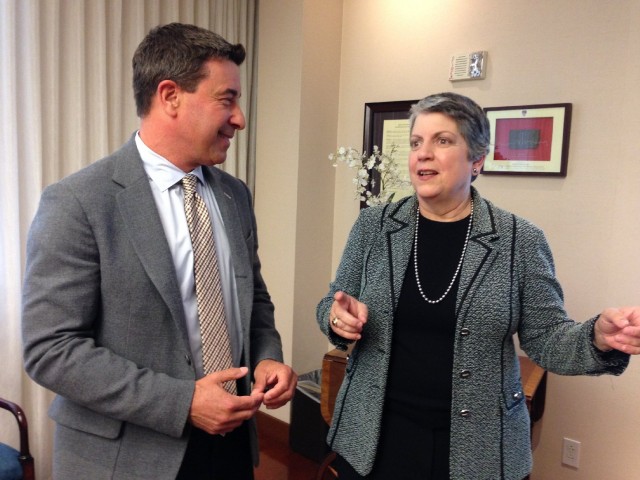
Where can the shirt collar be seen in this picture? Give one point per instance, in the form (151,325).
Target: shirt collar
(161,171)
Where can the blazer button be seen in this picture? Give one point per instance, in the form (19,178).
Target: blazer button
(465,413)
(465,374)
(188,359)
(517,395)
(465,332)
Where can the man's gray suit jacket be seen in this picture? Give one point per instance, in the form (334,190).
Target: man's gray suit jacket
(103,320)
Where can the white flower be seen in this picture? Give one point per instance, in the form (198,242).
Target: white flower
(382,165)
(371,162)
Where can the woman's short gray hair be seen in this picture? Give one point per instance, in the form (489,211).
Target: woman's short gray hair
(468,115)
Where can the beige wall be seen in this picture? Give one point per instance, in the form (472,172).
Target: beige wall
(298,75)
(585,53)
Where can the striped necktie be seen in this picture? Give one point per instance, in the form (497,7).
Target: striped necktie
(216,349)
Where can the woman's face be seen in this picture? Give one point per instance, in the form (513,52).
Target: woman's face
(439,164)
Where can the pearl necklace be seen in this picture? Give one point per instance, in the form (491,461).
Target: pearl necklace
(415,257)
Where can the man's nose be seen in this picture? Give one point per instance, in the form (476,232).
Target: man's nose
(237,118)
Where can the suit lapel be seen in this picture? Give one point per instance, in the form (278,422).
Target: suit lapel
(399,233)
(233,226)
(232,221)
(481,251)
(140,216)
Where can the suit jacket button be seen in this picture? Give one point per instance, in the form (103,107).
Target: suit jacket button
(465,332)
(188,359)
(465,413)
(517,395)
(465,374)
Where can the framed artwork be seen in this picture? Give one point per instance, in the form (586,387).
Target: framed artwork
(529,140)
(387,124)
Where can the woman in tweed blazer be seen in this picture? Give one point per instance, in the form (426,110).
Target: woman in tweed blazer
(432,387)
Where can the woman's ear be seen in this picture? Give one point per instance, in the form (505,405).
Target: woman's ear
(477,165)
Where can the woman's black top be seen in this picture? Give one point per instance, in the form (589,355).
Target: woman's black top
(414,443)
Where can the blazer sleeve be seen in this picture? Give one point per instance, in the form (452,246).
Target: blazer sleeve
(63,319)
(349,275)
(547,334)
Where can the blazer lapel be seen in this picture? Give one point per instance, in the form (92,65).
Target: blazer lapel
(233,226)
(399,233)
(142,221)
(481,250)
(231,218)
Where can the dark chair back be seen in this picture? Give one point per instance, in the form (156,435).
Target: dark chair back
(23,456)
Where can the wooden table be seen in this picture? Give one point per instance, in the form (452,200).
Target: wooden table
(534,384)
(333,366)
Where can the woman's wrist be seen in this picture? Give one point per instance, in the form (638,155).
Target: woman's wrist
(597,339)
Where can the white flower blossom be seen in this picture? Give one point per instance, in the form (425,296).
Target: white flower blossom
(382,164)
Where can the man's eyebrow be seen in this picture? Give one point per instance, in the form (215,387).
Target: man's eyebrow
(231,91)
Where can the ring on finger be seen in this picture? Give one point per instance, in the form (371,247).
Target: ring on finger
(335,321)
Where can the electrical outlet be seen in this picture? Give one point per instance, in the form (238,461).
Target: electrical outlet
(570,452)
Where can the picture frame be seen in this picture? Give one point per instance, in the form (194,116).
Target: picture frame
(529,140)
(387,123)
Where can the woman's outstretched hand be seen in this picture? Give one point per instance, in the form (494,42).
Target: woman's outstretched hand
(347,316)
(618,328)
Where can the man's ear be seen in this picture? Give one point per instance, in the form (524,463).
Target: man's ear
(168,96)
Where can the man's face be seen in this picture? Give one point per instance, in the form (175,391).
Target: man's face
(211,115)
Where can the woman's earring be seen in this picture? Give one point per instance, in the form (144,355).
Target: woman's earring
(475,171)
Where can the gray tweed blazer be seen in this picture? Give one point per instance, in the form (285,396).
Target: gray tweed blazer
(507,287)
(103,321)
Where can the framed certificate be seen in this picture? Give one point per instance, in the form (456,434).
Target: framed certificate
(386,124)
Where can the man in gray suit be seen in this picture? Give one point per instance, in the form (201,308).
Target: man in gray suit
(110,317)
